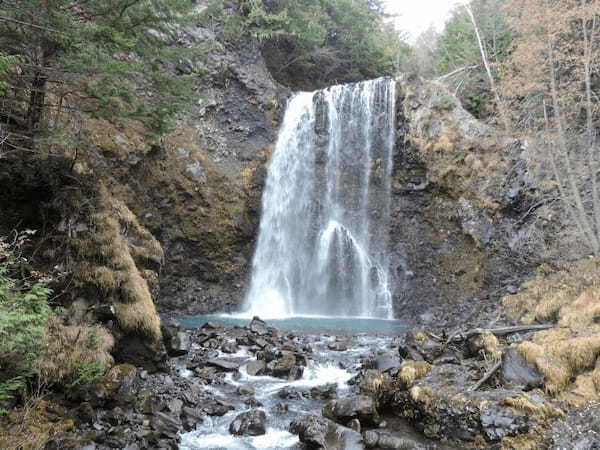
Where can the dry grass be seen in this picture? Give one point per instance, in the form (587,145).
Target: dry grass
(522,442)
(118,245)
(567,356)
(422,394)
(30,427)
(491,346)
(524,403)
(66,346)
(412,371)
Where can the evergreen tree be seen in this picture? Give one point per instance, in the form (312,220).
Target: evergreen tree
(88,51)
(316,42)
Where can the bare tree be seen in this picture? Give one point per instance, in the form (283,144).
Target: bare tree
(486,63)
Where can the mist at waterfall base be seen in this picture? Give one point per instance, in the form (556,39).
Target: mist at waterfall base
(323,238)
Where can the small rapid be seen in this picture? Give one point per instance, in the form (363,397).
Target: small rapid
(282,400)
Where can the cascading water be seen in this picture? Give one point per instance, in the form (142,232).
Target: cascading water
(322,246)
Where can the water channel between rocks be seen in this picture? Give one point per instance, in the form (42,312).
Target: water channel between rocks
(335,352)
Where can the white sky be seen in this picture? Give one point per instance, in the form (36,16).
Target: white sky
(416,16)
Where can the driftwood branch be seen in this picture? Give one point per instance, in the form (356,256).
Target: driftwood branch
(463,336)
(487,376)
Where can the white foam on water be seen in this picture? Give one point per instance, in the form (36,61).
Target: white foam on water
(273,439)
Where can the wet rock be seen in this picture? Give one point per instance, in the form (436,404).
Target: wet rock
(255,368)
(354,424)
(268,354)
(346,409)
(211,326)
(191,418)
(326,392)
(286,367)
(385,441)
(251,423)
(287,393)
(296,373)
(229,347)
(517,371)
(218,408)
(166,425)
(318,432)
(417,346)
(258,326)
(338,346)
(500,422)
(211,343)
(223,364)
(387,362)
(281,408)
(245,389)
(259,342)
(179,344)
(370,438)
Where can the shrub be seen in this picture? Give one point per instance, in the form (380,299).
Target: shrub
(24,312)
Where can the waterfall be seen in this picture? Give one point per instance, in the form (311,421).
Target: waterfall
(322,245)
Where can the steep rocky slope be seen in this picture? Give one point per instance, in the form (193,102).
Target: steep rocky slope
(130,224)
(472,218)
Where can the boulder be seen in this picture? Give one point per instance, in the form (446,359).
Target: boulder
(223,364)
(259,327)
(229,347)
(386,441)
(217,408)
(387,362)
(417,346)
(517,371)
(338,346)
(286,367)
(346,409)
(191,418)
(318,433)
(166,425)
(245,389)
(287,393)
(326,392)
(250,423)
(256,368)
(179,344)
(498,422)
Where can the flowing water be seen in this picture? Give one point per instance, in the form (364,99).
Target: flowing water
(324,368)
(322,246)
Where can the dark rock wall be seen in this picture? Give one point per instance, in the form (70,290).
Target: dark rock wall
(463,232)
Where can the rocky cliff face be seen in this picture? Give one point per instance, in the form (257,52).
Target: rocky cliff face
(133,225)
(472,219)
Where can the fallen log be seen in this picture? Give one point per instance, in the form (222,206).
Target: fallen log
(463,336)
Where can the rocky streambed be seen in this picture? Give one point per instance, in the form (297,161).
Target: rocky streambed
(258,387)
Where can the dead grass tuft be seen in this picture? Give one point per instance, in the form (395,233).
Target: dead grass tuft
(412,371)
(492,346)
(66,346)
(120,245)
(525,403)
(31,427)
(567,356)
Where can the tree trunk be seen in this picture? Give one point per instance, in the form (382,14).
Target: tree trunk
(36,100)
